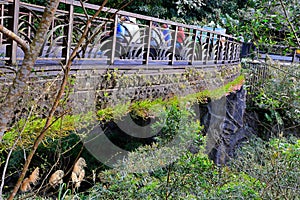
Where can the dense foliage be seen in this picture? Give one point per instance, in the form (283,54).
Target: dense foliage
(262,22)
(260,170)
(275,97)
(201,12)
(263,170)
(268,23)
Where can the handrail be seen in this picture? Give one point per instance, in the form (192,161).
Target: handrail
(141,43)
(121,12)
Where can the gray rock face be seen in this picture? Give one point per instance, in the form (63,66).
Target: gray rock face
(224,125)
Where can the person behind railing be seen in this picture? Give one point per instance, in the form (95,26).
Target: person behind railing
(132,30)
(120,32)
(155,41)
(179,41)
(155,38)
(180,37)
(167,34)
(222,48)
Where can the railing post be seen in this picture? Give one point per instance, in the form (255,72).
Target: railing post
(208,42)
(232,52)
(226,50)
(68,30)
(238,51)
(148,40)
(294,56)
(219,48)
(111,60)
(1,22)
(194,46)
(30,22)
(174,46)
(201,46)
(11,49)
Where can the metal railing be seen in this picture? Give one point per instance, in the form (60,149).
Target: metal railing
(144,40)
(276,52)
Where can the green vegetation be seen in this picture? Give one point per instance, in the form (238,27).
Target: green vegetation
(276,98)
(63,126)
(263,170)
(265,167)
(147,108)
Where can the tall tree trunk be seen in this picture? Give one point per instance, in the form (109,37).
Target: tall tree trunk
(67,68)
(20,82)
(22,76)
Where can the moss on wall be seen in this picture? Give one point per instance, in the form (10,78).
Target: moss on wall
(147,108)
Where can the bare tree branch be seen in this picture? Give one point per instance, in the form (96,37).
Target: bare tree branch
(84,9)
(6,165)
(9,68)
(15,37)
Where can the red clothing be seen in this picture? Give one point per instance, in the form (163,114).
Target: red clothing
(180,36)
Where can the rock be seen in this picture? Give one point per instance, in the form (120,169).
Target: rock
(224,126)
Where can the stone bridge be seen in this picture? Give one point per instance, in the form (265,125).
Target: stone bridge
(152,57)
(126,57)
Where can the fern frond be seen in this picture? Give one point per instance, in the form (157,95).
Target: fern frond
(25,187)
(34,176)
(56,178)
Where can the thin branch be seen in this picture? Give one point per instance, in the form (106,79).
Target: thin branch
(168,182)
(5,167)
(9,68)
(48,174)
(13,36)
(11,150)
(84,34)
(84,9)
(288,20)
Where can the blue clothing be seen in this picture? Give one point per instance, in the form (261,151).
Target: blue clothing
(167,36)
(120,32)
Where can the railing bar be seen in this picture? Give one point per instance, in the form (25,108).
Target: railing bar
(232,52)
(194,37)
(2,22)
(201,45)
(114,41)
(226,49)
(30,22)
(148,43)
(218,48)
(208,47)
(174,46)
(11,50)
